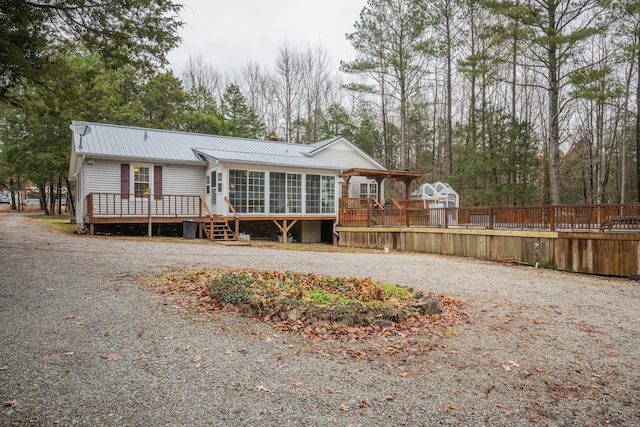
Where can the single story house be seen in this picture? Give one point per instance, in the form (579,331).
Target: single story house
(127,175)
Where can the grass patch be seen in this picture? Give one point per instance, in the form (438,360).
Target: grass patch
(60,223)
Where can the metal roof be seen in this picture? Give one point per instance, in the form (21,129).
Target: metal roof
(126,141)
(292,158)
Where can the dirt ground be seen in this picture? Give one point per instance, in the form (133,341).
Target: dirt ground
(83,343)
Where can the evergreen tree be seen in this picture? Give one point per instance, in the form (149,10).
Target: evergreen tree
(238,118)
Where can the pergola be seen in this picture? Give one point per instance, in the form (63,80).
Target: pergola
(380,175)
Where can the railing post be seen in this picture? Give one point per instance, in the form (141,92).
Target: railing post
(552,218)
(149,213)
(446,217)
(490,218)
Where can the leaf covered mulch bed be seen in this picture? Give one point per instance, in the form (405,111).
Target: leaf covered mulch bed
(371,319)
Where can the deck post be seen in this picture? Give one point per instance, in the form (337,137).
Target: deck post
(90,213)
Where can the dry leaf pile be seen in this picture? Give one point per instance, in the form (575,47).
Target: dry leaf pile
(370,319)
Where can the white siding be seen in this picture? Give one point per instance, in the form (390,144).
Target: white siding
(103,176)
(343,155)
(97,176)
(183,179)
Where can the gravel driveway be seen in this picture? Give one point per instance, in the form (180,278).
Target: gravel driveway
(82,344)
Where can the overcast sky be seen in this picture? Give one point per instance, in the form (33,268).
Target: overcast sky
(229,34)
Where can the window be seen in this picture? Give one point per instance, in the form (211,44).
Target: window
(369,190)
(246,191)
(278,187)
(207,185)
(320,194)
(219,182)
(328,194)
(286,192)
(141,181)
(214,186)
(238,189)
(255,192)
(313,194)
(294,193)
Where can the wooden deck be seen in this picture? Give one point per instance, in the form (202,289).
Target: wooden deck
(593,239)
(419,213)
(115,208)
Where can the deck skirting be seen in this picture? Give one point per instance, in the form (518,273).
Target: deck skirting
(602,253)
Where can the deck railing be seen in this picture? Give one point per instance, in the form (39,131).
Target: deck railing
(611,217)
(105,205)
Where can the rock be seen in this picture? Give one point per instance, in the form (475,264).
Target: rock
(294,315)
(383,322)
(395,314)
(428,305)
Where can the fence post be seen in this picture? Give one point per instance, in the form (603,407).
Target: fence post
(446,217)
(552,218)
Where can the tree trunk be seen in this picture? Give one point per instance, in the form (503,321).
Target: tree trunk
(638,127)
(449,136)
(43,198)
(70,203)
(554,122)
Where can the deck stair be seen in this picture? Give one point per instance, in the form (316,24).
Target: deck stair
(218,229)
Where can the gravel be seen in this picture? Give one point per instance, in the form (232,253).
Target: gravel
(81,343)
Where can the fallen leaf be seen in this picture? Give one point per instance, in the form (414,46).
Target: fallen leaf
(506,367)
(297,383)
(4,367)
(263,388)
(362,405)
(111,356)
(589,423)
(12,403)
(144,358)
(197,358)
(539,369)
(514,363)
(344,407)
(404,374)
(389,397)
(72,317)
(333,390)
(449,406)
(69,353)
